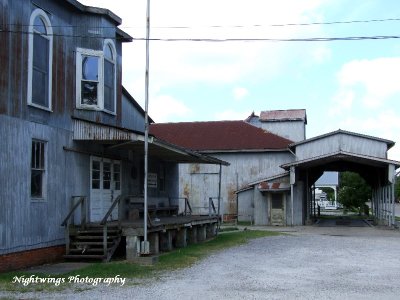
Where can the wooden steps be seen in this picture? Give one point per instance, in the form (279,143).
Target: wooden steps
(90,244)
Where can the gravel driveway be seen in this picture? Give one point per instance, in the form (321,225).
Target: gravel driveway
(308,263)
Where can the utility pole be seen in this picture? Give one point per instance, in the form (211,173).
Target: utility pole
(145,245)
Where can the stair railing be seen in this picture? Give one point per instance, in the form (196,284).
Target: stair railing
(104,223)
(67,221)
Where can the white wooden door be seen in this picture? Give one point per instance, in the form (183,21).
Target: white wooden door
(277,209)
(105,186)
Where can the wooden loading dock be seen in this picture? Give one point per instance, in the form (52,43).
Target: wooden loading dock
(167,229)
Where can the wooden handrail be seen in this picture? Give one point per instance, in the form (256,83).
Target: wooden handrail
(104,221)
(80,202)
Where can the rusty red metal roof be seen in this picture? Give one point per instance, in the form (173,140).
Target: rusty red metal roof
(284,115)
(218,135)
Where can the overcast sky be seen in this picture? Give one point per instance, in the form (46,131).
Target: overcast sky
(351,85)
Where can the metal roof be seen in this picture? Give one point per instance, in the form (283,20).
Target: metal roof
(216,136)
(283,115)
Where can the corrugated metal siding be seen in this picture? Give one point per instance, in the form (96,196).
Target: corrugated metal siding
(14,58)
(244,168)
(341,142)
(131,117)
(292,130)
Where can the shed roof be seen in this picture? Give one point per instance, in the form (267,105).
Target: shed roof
(218,136)
(283,115)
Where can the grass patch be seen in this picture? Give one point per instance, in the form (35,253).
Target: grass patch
(397,218)
(224,229)
(179,258)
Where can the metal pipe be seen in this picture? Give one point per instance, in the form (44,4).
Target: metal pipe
(146,122)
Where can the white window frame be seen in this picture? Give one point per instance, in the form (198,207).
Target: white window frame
(38,13)
(43,170)
(89,52)
(109,42)
(100,91)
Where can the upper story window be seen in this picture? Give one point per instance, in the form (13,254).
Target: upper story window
(96,78)
(40,60)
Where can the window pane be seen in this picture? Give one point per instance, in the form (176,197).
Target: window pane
(95,184)
(106,175)
(109,86)
(96,175)
(89,93)
(95,165)
(36,183)
(108,52)
(39,26)
(90,66)
(277,202)
(40,66)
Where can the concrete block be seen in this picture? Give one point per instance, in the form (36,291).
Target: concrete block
(132,250)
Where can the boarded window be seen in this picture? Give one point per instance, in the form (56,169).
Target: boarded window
(37,169)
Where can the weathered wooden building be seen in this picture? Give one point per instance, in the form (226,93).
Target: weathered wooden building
(255,187)
(252,153)
(71,134)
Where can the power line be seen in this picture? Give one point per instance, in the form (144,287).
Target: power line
(312,39)
(226,26)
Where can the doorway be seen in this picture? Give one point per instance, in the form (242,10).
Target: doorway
(105,186)
(277,209)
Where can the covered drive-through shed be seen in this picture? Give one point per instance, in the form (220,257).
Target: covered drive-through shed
(290,194)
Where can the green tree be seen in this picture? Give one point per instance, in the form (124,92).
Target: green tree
(353,191)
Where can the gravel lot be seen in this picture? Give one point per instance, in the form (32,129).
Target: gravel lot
(308,263)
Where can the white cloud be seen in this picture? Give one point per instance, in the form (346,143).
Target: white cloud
(163,108)
(239,93)
(377,79)
(342,101)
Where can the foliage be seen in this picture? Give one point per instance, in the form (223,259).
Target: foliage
(353,190)
(397,188)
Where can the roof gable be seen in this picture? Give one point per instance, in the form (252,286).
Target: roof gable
(218,136)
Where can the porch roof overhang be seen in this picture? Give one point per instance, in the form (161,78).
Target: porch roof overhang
(113,137)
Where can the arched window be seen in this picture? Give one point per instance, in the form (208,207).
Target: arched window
(40,60)
(96,78)
(109,76)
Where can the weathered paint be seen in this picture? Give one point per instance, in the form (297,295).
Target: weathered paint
(341,141)
(27,223)
(244,167)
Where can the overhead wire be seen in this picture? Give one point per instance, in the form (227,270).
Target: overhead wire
(308,39)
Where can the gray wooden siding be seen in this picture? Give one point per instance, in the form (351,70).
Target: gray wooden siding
(341,142)
(291,130)
(72,29)
(244,168)
(131,117)
(246,205)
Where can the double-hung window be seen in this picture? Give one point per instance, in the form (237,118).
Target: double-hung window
(96,78)
(40,60)
(38,168)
